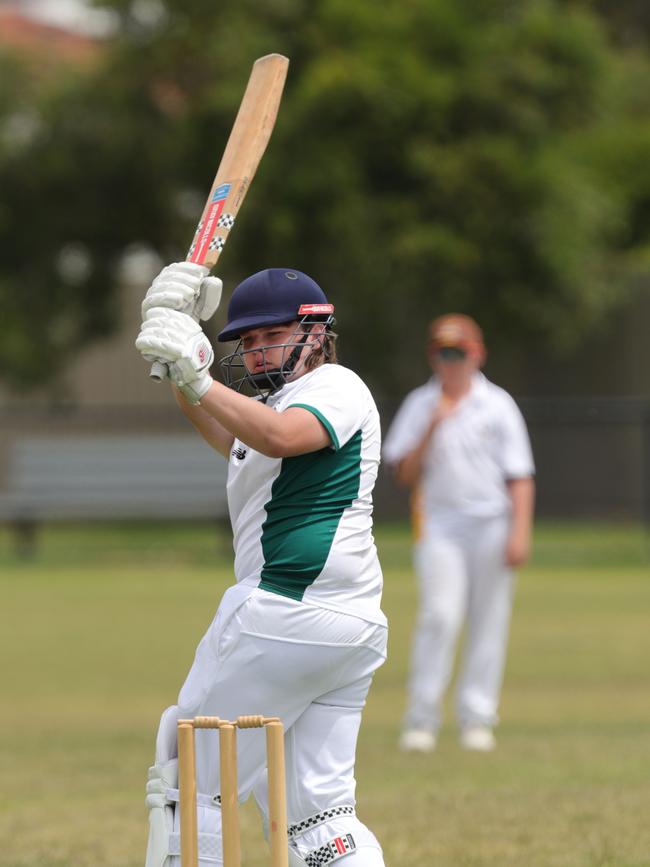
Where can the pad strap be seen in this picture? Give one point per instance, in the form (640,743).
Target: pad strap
(337,847)
(210,848)
(213,801)
(319,818)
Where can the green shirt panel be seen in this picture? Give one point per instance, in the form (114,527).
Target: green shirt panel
(308,499)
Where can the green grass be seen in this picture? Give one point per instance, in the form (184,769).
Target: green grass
(99,628)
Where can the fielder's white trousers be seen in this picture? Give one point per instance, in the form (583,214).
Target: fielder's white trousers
(265,654)
(463,580)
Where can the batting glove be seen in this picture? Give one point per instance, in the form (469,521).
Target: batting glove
(177,340)
(185,287)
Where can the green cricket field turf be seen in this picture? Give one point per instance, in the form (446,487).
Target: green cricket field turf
(98,629)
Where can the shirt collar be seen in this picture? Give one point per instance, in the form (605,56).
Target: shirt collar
(290,387)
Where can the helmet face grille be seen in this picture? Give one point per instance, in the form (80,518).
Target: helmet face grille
(294,360)
(237,376)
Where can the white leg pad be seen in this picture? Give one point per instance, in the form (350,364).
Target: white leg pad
(209,832)
(161,811)
(163,775)
(167,737)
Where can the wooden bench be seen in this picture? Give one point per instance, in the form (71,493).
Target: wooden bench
(86,478)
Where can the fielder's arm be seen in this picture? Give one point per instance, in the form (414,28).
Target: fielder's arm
(408,471)
(522,496)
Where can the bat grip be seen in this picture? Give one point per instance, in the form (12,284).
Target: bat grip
(158,371)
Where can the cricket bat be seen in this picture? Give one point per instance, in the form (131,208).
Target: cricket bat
(246,145)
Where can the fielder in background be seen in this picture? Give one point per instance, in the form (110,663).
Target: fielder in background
(301,632)
(460,443)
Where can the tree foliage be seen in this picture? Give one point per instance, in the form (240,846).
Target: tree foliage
(430,155)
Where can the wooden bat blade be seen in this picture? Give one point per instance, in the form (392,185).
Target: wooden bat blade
(246,145)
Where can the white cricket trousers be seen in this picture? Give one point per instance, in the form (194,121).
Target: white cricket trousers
(265,654)
(462,580)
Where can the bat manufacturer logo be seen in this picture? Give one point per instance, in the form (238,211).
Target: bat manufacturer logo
(241,192)
(204,240)
(221,193)
(344,844)
(335,849)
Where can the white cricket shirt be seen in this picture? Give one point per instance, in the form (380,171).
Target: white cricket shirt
(471,454)
(302,525)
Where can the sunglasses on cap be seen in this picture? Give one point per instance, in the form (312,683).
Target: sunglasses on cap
(451,353)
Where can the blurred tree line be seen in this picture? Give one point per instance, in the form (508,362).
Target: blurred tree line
(486,156)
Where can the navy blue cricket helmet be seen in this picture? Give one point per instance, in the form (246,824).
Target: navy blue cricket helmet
(272,297)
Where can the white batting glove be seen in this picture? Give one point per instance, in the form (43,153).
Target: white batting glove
(177,340)
(185,287)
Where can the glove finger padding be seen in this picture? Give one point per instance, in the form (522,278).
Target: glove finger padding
(177,286)
(185,287)
(176,339)
(166,333)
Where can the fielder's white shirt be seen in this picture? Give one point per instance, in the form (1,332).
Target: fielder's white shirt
(302,525)
(471,454)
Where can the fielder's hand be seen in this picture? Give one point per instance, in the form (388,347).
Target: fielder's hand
(444,408)
(185,287)
(517,549)
(177,340)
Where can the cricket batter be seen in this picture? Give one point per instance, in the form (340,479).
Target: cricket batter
(460,443)
(301,632)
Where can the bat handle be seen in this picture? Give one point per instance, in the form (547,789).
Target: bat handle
(158,371)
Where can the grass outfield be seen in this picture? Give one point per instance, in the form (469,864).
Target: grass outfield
(98,630)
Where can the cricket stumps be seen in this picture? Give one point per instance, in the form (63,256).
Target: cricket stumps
(229,787)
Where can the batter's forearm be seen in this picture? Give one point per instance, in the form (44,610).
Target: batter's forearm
(248,420)
(212,432)
(275,434)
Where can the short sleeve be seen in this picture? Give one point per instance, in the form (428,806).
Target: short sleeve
(338,399)
(516,453)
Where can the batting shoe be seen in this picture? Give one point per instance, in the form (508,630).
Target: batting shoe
(479,738)
(417,741)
